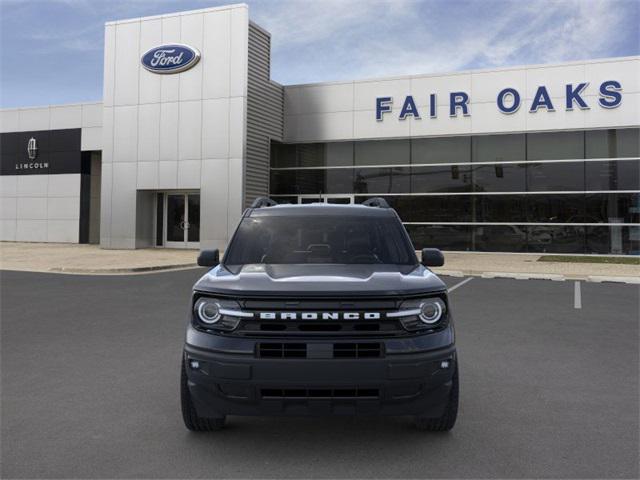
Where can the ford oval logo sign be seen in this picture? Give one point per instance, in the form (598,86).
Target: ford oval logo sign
(172,58)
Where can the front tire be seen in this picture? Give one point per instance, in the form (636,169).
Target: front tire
(191,419)
(448,418)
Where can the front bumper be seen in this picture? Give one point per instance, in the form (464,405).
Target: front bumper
(229,379)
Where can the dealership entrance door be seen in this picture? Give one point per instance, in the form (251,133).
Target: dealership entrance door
(343,199)
(181,220)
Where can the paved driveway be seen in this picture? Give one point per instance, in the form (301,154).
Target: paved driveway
(90,389)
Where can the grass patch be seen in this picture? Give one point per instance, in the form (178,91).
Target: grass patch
(588,259)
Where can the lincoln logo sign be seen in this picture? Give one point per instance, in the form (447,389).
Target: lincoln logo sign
(172,58)
(508,101)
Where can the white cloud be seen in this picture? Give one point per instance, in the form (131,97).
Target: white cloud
(325,40)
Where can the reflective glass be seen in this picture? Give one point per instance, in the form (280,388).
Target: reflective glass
(549,177)
(613,143)
(283,182)
(338,180)
(556,239)
(613,175)
(382,152)
(283,155)
(567,208)
(613,207)
(499,148)
(500,208)
(444,237)
(500,238)
(500,178)
(445,208)
(617,240)
(445,178)
(441,150)
(382,180)
(555,145)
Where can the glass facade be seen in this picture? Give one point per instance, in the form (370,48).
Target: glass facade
(556,192)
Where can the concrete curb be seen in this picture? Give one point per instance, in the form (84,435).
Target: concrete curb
(600,279)
(541,276)
(97,271)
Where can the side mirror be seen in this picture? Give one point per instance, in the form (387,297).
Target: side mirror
(432,257)
(209,258)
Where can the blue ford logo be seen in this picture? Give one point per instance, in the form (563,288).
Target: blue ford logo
(172,58)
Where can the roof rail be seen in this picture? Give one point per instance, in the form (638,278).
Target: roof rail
(263,202)
(376,202)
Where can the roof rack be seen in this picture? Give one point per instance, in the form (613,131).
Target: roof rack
(376,202)
(263,202)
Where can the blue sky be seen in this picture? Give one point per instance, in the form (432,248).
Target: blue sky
(51,50)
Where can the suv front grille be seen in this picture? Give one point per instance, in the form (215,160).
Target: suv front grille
(312,393)
(282,350)
(336,350)
(357,350)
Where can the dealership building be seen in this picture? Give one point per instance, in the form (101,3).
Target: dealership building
(191,129)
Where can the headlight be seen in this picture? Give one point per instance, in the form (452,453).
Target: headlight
(208,311)
(421,314)
(217,314)
(431,311)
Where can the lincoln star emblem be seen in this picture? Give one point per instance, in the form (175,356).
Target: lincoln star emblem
(32,148)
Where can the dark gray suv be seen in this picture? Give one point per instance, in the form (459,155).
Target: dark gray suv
(320,309)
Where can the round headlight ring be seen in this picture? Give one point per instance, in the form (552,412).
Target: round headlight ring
(431,312)
(208,311)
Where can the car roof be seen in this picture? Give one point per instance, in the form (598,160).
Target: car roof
(320,209)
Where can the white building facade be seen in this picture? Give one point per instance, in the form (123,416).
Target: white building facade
(538,158)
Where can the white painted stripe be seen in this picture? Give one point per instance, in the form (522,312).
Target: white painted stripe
(458,285)
(577,295)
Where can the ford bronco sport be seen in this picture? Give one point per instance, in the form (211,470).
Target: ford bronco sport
(320,309)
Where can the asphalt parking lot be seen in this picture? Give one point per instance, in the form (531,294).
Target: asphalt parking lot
(90,367)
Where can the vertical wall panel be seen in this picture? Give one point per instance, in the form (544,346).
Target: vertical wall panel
(265,104)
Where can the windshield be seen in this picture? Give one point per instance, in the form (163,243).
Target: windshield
(320,240)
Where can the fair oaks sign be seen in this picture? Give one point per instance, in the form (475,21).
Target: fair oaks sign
(173,58)
(508,101)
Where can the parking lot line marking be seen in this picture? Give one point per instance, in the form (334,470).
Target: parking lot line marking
(577,296)
(459,284)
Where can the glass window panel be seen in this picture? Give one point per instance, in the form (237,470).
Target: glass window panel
(403,205)
(543,177)
(555,145)
(382,152)
(567,208)
(613,175)
(445,208)
(283,155)
(283,182)
(382,180)
(175,218)
(310,181)
(338,180)
(310,154)
(339,154)
(613,240)
(499,178)
(193,234)
(499,208)
(444,237)
(500,238)
(613,208)
(499,148)
(556,239)
(441,150)
(286,200)
(613,143)
(437,179)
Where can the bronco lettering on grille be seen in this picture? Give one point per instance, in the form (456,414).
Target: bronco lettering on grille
(320,315)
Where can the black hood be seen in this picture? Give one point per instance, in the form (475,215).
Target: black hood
(320,280)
